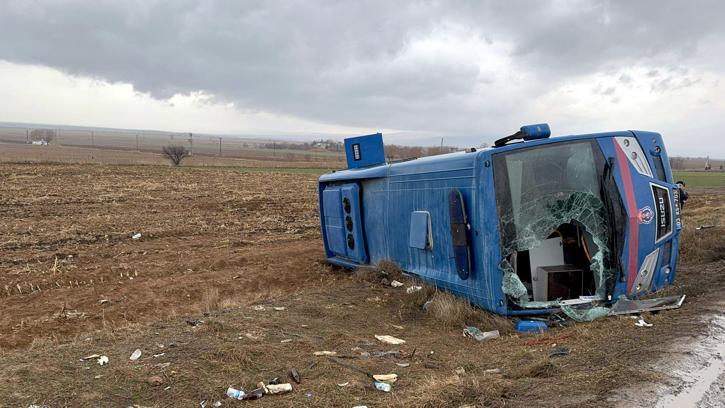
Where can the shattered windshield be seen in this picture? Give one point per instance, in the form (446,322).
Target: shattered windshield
(552,223)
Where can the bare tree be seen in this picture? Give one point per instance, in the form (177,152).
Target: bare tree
(175,153)
(42,135)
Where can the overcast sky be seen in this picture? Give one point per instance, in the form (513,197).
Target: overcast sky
(467,71)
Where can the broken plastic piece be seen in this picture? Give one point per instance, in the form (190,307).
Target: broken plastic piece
(135,355)
(388,378)
(642,323)
(389,339)
(531,326)
(627,306)
(295,375)
(278,388)
(396,284)
(413,289)
(381,386)
(479,335)
(325,353)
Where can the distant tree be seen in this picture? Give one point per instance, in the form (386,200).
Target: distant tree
(677,163)
(175,153)
(42,135)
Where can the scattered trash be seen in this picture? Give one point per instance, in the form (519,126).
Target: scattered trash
(360,406)
(155,380)
(277,388)
(162,365)
(295,375)
(584,312)
(492,371)
(194,322)
(217,404)
(389,339)
(136,236)
(308,394)
(479,335)
(325,353)
(135,355)
(531,326)
(426,305)
(403,364)
(102,301)
(413,289)
(460,371)
(235,393)
(279,308)
(158,355)
(397,326)
(345,384)
(396,284)
(381,386)
(286,341)
(259,308)
(559,351)
(167,388)
(627,306)
(102,360)
(254,394)
(642,323)
(702,227)
(388,378)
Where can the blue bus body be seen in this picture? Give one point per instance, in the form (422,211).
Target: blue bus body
(604,203)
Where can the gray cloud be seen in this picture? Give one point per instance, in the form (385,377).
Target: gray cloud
(354,63)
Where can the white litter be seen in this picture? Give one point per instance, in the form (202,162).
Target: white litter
(136,236)
(413,289)
(388,378)
(103,360)
(135,355)
(642,323)
(325,353)
(396,284)
(389,339)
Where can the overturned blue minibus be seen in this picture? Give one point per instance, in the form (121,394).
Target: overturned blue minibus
(523,227)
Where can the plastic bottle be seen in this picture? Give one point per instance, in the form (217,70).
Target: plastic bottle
(236,394)
(381,386)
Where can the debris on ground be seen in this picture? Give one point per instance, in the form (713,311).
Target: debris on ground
(476,333)
(194,322)
(277,388)
(279,308)
(155,380)
(388,378)
(136,236)
(628,306)
(531,326)
(389,339)
(235,393)
(559,351)
(584,312)
(295,375)
(703,226)
(135,355)
(403,364)
(460,371)
(413,289)
(345,384)
(642,323)
(396,284)
(286,341)
(325,353)
(99,358)
(381,354)
(492,371)
(255,394)
(381,386)
(259,308)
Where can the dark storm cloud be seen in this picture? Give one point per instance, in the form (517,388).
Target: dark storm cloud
(351,63)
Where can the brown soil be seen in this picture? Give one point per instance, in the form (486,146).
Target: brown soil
(214,244)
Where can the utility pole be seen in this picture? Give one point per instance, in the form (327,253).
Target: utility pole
(137,142)
(220,147)
(191,144)
(27,135)
(274,148)
(93,142)
(441,151)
